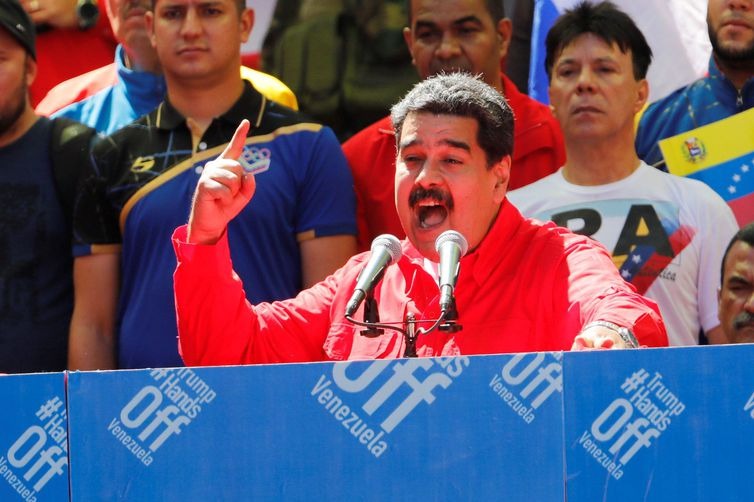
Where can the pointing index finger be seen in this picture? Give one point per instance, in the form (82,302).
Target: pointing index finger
(235,145)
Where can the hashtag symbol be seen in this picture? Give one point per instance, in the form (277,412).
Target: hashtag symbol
(50,407)
(632,383)
(159,373)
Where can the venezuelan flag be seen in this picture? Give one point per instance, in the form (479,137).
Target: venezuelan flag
(721,155)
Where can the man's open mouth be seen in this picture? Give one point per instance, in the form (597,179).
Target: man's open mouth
(431,206)
(431,213)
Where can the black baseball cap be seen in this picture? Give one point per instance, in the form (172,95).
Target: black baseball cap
(13,18)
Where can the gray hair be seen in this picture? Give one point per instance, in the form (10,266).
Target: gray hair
(462,95)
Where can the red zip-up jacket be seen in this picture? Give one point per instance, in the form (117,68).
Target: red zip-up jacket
(529,286)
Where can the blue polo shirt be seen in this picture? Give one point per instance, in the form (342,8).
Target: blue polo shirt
(140,187)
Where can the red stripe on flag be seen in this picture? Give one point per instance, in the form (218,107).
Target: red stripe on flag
(743,209)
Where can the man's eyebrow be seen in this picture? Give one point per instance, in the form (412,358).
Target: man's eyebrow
(572,60)
(205,4)
(462,145)
(457,144)
(456,22)
(407,144)
(425,24)
(468,19)
(737,280)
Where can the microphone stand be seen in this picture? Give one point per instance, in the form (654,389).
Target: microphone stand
(446,322)
(450,317)
(410,335)
(371,317)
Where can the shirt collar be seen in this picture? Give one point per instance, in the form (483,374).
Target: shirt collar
(168,118)
(724,89)
(490,252)
(145,90)
(488,255)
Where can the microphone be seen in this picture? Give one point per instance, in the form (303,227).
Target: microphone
(451,246)
(386,249)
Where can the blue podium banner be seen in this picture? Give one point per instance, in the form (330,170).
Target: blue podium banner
(651,425)
(33,438)
(480,428)
(660,424)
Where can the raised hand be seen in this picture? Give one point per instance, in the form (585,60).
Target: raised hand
(223,190)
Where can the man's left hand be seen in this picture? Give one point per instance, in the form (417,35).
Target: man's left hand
(599,338)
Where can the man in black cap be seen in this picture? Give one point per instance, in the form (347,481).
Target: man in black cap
(39,158)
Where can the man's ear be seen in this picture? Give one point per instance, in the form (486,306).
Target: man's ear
(642,95)
(408,37)
(502,171)
(31,70)
(504,33)
(149,22)
(247,23)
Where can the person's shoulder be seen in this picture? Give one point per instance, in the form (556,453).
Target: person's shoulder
(132,136)
(70,128)
(281,119)
(680,99)
(693,191)
(690,193)
(525,108)
(379,131)
(530,107)
(552,179)
(668,116)
(77,89)
(88,110)
(270,87)
(556,241)
(537,189)
(382,126)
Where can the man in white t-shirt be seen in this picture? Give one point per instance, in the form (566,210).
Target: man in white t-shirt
(667,234)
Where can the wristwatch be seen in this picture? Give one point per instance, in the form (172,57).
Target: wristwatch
(87,12)
(624,333)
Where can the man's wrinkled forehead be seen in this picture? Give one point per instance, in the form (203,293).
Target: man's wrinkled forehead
(417,132)
(412,140)
(241,4)
(435,22)
(468,10)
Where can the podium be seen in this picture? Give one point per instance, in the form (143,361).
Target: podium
(649,424)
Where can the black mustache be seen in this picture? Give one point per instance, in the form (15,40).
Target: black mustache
(743,319)
(419,194)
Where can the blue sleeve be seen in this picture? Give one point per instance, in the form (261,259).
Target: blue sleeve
(648,136)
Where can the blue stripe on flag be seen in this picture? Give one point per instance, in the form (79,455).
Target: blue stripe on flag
(731,179)
(635,261)
(545,14)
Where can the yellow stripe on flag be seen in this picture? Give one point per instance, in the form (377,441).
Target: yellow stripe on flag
(709,145)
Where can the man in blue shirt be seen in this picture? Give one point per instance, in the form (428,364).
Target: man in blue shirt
(143,176)
(36,290)
(728,89)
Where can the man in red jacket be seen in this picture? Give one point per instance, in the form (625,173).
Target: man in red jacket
(524,286)
(446,36)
